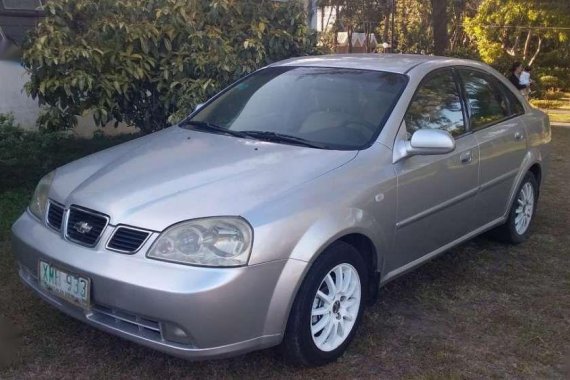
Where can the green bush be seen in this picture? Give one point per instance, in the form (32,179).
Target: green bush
(142,61)
(12,204)
(25,156)
(552,95)
(7,121)
(554,58)
(561,73)
(549,81)
(547,104)
(465,52)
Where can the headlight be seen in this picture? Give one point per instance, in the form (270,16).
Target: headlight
(38,203)
(215,242)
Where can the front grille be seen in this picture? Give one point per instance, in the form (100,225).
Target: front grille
(127,240)
(85,227)
(127,322)
(55,215)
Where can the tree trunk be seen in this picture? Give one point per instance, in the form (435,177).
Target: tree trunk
(386,26)
(326,25)
(458,11)
(349,33)
(366,40)
(512,51)
(439,26)
(335,29)
(536,52)
(392,36)
(322,18)
(526,44)
(404,27)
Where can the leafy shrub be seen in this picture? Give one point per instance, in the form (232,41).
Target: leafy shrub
(7,121)
(466,52)
(25,156)
(141,61)
(554,58)
(562,73)
(549,81)
(12,204)
(552,95)
(55,119)
(548,104)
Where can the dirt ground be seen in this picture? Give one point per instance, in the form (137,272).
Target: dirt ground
(481,310)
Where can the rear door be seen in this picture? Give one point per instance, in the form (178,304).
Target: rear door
(436,194)
(496,124)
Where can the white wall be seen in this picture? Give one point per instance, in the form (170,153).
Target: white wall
(325,19)
(13,99)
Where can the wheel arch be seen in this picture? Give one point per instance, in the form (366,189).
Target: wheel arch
(357,237)
(536,170)
(367,250)
(533,163)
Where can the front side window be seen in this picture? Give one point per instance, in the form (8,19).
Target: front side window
(486,103)
(436,105)
(333,108)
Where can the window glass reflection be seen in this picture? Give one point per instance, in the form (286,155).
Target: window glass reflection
(436,105)
(486,102)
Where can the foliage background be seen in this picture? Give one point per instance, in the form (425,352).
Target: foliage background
(148,62)
(25,156)
(498,32)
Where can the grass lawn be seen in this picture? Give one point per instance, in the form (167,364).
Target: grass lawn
(560,113)
(481,310)
(558,117)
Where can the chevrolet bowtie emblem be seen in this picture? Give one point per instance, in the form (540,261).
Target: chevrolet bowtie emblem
(82,227)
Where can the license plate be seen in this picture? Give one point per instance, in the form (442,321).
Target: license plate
(70,287)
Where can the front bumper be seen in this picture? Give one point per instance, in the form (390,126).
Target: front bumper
(222,311)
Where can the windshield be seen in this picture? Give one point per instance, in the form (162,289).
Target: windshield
(331,108)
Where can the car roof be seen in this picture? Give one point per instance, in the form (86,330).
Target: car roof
(397,63)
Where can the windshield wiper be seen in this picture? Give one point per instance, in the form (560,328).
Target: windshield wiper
(278,137)
(211,127)
(259,135)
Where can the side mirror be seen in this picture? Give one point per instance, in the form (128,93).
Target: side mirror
(424,142)
(198,106)
(430,141)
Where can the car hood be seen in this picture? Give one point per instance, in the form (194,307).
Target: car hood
(178,174)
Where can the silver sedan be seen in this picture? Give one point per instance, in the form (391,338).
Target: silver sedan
(275,211)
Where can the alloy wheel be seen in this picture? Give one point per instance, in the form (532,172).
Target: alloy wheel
(335,307)
(525,208)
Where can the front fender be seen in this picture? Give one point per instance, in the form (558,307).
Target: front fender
(334,226)
(312,243)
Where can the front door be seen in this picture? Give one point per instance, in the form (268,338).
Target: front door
(436,194)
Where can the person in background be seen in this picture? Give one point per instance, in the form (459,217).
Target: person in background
(524,79)
(516,70)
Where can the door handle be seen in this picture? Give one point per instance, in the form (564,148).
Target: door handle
(519,136)
(466,157)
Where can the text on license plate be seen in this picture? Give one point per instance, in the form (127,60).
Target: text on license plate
(70,287)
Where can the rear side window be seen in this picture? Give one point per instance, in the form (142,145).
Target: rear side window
(436,105)
(516,108)
(487,104)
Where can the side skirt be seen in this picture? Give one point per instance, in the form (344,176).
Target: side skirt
(416,263)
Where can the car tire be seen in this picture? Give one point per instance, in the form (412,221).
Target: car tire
(521,214)
(334,312)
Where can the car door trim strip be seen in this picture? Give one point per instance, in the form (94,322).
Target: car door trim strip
(497,180)
(437,208)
